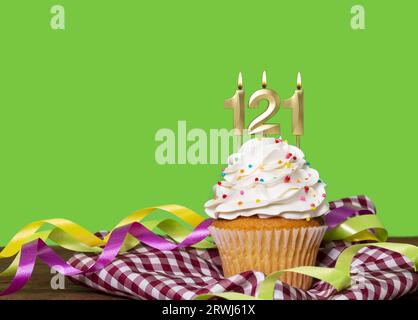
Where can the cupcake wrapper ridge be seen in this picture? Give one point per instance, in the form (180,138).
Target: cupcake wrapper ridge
(269,251)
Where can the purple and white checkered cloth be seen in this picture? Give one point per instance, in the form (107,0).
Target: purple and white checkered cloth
(147,273)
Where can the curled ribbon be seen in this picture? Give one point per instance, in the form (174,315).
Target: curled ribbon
(39,249)
(69,234)
(345,223)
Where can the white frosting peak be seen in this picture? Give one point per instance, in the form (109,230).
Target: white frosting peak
(268,177)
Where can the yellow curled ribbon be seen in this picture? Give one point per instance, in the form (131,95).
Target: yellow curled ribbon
(72,236)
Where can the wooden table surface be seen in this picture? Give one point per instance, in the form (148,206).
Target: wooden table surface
(38,287)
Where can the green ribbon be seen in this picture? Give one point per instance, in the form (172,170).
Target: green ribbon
(356,229)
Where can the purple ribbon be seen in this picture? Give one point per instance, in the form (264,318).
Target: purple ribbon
(340,214)
(38,248)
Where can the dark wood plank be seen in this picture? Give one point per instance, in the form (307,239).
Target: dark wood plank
(39,288)
(410,240)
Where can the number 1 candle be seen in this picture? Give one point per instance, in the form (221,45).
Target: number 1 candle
(296,104)
(237,104)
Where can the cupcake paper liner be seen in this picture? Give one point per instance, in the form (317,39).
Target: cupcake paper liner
(269,251)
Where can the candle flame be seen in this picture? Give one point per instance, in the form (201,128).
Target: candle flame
(299,81)
(240,81)
(264,80)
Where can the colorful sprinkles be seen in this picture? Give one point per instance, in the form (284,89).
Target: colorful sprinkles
(287,162)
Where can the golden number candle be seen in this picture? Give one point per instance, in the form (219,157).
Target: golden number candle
(237,104)
(296,104)
(258,125)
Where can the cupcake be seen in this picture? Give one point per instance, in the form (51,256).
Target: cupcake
(267,211)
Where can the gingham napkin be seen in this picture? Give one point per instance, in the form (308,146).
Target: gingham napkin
(147,273)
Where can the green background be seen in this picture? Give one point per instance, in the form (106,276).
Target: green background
(79,108)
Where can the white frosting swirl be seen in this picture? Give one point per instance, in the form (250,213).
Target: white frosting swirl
(268,177)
